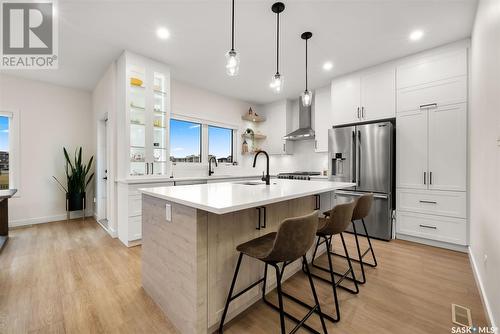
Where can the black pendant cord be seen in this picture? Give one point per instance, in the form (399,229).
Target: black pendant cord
(232,28)
(278,44)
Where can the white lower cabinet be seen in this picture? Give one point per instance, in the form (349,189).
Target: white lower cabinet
(443,203)
(439,228)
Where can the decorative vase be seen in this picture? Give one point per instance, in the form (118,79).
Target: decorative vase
(75,201)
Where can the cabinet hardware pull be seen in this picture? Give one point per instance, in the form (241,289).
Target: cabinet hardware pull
(428,202)
(423,106)
(152,169)
(430,178)
(284,148)
(357,113)
(428,226)
(259,224)
(425,178)
(362,112)
(318,202)
(147,168)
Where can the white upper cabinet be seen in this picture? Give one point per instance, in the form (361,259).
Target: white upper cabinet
(448,147)
(322,116)
(440,66)
(278,124)
(378,94)
(411,150)
(364,96)
(346,97)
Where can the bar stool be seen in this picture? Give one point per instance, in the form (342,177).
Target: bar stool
(294,238)
(361,211)
(335,223)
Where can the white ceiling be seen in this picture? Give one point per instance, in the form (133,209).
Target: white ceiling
(352,34)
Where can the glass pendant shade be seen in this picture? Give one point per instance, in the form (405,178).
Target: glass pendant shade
(276,83)
(306,98)
(232,63)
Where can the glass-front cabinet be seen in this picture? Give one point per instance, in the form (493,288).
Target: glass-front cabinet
(147,96)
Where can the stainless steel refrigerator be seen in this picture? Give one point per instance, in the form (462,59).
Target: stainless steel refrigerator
(364,154)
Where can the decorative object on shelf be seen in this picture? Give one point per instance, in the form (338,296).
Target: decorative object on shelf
(136,82)
(277,79)
(244,147)
(135,106)
(77,180)
(252,116)
(306,95)
(232,57)
(137,157)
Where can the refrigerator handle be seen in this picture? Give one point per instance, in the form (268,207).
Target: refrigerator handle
(358,160)
(353,157)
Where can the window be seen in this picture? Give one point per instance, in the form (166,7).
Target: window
(185,141)
(220,143)
(9,150)
(4,151)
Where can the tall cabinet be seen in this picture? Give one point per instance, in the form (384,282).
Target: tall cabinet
(143,115)
(431,147)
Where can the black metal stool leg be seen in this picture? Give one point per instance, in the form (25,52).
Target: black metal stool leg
(280,298)
(350,264)
(370,244)
(361,264)
(229,297)
(316,300)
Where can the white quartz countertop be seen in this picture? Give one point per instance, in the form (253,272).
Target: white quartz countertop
(228,197)
(161,179)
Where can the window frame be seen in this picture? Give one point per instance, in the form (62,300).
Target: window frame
(204,139)
(184,119)
(231,140)
(14,149)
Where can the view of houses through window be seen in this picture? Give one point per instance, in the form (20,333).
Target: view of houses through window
(4,152)
(220,143)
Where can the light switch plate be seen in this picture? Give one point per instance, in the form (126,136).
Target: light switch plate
(168,213)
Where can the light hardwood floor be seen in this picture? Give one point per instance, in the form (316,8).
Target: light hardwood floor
(73,278)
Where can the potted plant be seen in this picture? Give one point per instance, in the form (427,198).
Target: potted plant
(77,180)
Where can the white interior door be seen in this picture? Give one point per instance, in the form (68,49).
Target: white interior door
(448,147)
(411,147)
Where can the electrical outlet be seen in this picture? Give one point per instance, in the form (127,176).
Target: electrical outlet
(168,213)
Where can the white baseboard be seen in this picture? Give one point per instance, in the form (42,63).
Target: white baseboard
(440,244)
(482,292)
(47,219)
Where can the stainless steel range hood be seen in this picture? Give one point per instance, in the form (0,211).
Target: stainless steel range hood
(304,131)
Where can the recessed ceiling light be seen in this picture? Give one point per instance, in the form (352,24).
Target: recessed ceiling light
(162,33)
(416,35)
(327,66)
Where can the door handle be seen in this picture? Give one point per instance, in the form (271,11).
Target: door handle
(430,105)
(428,226)
(428,202)
(425,178)
(353,158)
(152,169)
(359,159)
(430,178)
(147,168)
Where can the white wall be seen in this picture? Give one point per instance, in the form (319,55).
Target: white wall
(485,152)
(104,106)
(50,117)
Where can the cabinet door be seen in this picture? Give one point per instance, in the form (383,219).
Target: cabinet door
(448,147)
(346,100)
(378,94)
(322,118)
(411,146)
(276,126)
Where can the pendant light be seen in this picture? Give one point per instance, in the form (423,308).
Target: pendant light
(232,57)
(306,95)
(277,79)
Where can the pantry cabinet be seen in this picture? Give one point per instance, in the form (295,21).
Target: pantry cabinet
(365,96)
(431,145)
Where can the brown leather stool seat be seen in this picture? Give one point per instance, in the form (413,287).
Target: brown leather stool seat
(294,238)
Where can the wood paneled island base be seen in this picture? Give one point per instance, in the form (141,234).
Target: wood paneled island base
(188,263)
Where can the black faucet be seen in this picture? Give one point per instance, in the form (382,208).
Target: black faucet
(210,171)
(266,178)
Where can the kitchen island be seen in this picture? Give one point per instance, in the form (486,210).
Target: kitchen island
(189,240)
